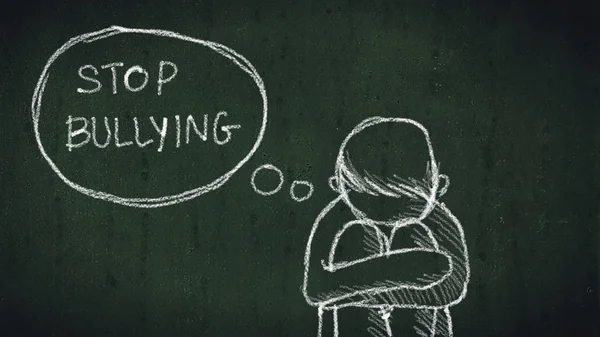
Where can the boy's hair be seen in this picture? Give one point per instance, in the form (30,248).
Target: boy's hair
(419,181)
(376,185)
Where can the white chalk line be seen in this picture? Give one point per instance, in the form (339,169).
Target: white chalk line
(293,186)
(267,167)
(293,195)
(345,174)
(230,54)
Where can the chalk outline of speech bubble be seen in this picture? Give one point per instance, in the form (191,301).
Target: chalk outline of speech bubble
(227,52)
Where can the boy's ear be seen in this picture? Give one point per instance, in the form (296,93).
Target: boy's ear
(444,183)
(334,184)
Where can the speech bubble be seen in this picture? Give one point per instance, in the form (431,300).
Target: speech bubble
(132,79)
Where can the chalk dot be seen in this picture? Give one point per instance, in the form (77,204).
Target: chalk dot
(301,182)
(267,167)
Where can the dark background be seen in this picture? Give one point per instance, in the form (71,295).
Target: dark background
(508,91)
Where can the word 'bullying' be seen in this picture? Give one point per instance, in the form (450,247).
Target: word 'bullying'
(87,130)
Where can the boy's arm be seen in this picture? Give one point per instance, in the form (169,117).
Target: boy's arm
(445,234)
(448,232)
(343,283)
(351,284)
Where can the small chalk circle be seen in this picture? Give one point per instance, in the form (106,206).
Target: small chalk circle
(301,182)
(267,167)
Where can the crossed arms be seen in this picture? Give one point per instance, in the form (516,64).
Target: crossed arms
(433,274)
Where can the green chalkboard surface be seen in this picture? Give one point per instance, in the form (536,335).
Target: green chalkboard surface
(313,168)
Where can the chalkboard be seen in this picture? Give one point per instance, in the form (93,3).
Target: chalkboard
(312,168)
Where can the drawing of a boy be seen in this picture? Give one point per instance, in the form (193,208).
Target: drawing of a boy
(411,249)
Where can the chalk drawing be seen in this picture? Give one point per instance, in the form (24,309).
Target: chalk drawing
(293,186)
(237,59)
(308,194)
(134,69)
(434,230)
(267,167)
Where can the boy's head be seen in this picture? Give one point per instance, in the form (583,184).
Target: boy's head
(386,171)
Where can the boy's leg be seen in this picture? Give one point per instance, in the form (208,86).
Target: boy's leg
(433,323)
(397,323)
(328,322)
(380,322)
(388,323)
